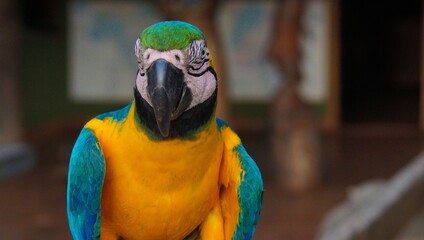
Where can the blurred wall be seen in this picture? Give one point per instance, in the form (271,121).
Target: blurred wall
(43,64)
(10,112)
(44,60)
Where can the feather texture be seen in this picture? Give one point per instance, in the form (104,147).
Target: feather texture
(169,35)
(198,182)
(85,182)
(242,187)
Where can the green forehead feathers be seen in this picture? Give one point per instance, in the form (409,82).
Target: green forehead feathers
(169,35)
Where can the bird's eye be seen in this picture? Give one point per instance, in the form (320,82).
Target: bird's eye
(148,56)
(177,57)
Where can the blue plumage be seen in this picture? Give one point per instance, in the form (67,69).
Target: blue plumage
(249,192)
(118,115)
(85,183)
(250,195)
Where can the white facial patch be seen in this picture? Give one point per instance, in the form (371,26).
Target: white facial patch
(193,61)
(201,89)
(141,83)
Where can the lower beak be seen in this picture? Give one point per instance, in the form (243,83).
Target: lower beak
(168,93)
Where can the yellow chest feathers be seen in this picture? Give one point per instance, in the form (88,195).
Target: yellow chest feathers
(160,189)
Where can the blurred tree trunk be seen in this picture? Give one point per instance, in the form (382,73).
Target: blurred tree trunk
(202,14)
(294,135)
(10,115)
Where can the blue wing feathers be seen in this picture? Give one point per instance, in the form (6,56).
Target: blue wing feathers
(250,195)
(249,192)
(85,183)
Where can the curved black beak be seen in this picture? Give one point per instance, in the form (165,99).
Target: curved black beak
(168,93)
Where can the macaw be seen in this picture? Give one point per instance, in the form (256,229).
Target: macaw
(164,167)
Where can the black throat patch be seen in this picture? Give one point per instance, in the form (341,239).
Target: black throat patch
(186,126)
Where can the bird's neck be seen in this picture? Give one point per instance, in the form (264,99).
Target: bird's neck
(186,126)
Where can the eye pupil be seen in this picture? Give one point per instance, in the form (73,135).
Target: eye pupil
(177,57)
(148,56)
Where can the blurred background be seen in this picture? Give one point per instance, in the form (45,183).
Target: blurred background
(327,96)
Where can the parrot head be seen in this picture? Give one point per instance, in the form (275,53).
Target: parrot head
(176,84)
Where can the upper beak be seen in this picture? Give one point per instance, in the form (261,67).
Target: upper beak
(168,93)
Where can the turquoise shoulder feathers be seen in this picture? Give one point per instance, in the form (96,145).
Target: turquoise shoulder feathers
(85,180)
(118,115)
(221,123)
(250,195)
(249,192)
(85,183)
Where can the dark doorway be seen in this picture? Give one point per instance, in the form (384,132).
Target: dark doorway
(380,61)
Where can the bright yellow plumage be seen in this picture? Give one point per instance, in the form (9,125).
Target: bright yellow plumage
(172,190)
